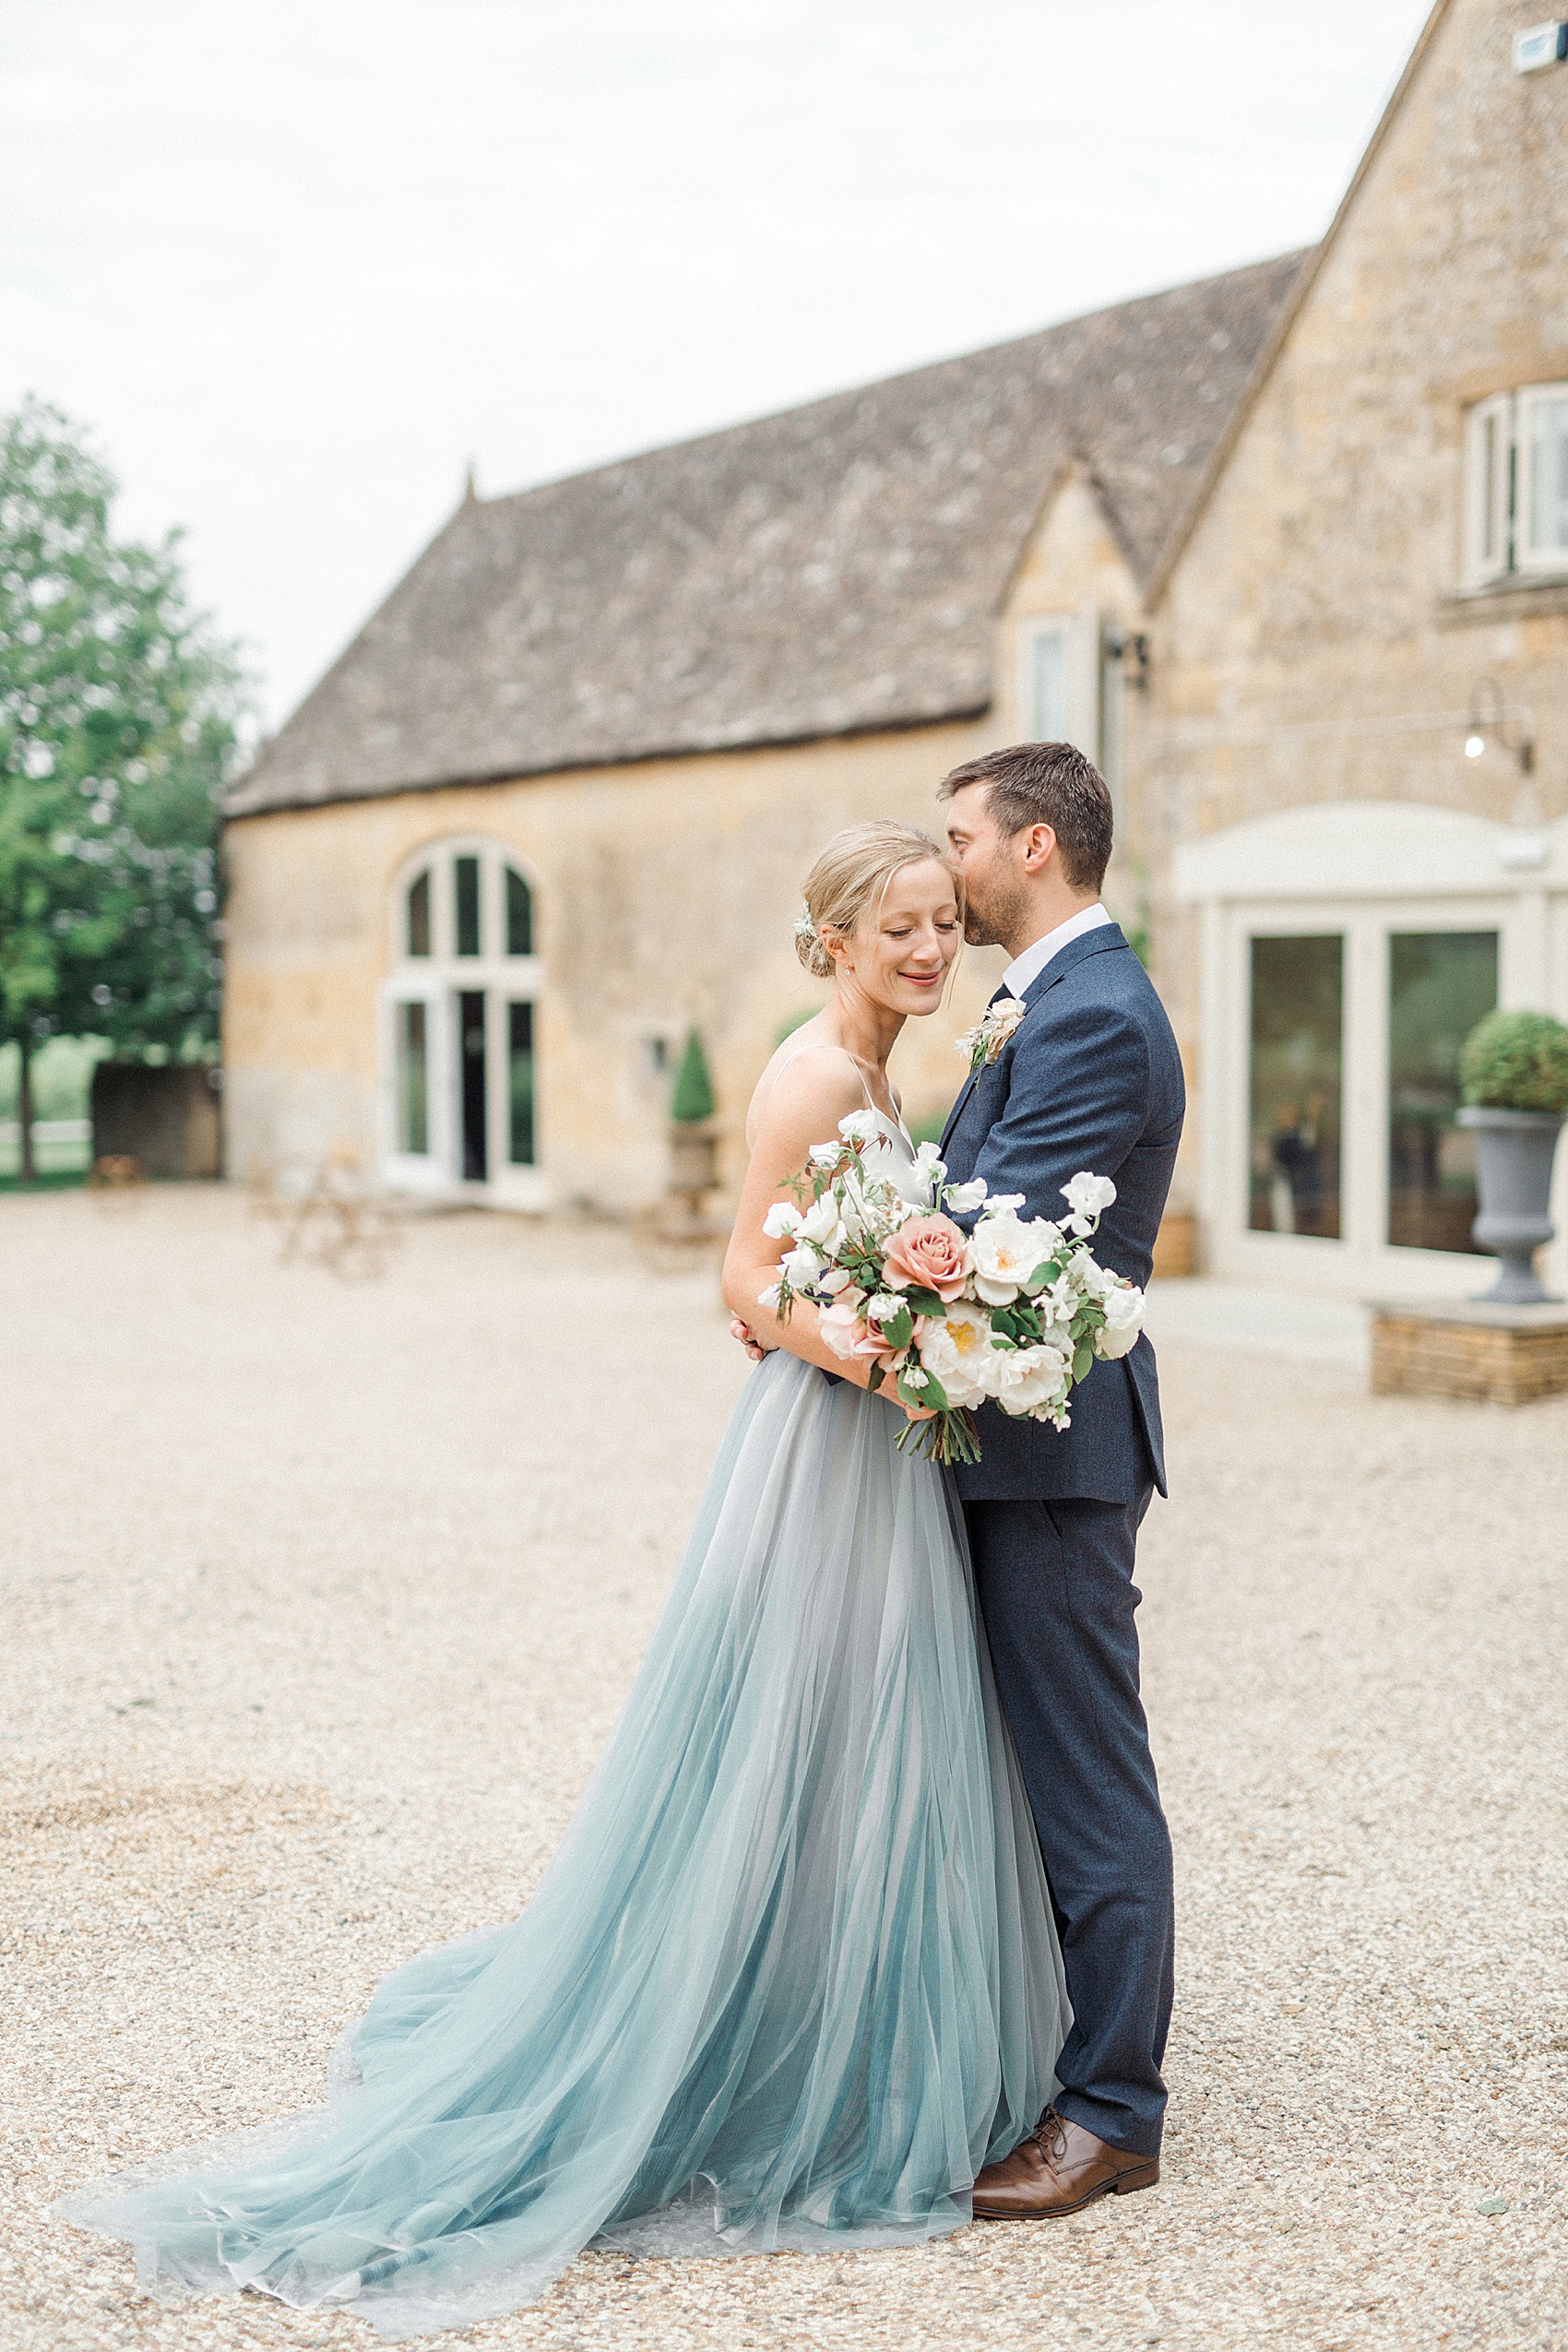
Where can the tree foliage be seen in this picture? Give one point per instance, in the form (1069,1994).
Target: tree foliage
(118,717)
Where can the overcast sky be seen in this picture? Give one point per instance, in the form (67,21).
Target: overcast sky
(295,261)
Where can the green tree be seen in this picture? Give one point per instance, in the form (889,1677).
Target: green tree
(118,728)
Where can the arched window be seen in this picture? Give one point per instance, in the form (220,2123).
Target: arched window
(462,1032)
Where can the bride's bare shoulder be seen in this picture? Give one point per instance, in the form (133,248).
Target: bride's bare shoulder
(810,1080)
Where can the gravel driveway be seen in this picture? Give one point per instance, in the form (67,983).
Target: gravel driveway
(319,1597)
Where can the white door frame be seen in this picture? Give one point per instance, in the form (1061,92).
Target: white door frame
(437,982)
(1365,870)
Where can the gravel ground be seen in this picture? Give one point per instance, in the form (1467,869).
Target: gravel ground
(319,1597)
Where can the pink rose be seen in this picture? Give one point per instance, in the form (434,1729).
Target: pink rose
(843,1331)
(928,1254)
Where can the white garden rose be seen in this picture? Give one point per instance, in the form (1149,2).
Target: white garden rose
(956,1348)
(782,1219)
(1005,1251)
(1087,1197)
(1123,1320)
(1028,1378)
(823,1226)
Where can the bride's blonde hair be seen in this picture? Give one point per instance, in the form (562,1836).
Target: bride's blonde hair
(854,869)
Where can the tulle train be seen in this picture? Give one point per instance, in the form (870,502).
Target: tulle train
(790,1977)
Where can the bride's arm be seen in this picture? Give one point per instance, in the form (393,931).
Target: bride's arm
(812,1095)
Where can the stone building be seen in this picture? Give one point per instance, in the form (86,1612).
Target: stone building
(1287,548)
(557,800)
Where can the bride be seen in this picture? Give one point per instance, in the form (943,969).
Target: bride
(792,1977)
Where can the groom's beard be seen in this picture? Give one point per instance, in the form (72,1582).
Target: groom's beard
(996,917)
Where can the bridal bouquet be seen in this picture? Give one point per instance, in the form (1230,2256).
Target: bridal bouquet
(1017,1311)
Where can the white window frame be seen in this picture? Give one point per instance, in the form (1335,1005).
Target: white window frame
(1497,542)
(437,980)
(1528,558)
(1489,528)
(1078,633)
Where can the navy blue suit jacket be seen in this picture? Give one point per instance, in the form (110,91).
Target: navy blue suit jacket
(1090,1079)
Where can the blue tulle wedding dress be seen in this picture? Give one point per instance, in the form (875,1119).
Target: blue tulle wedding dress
(790,1979)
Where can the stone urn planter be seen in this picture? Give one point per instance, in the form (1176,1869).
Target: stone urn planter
(693,1158)
(1513,1077)
(1515,1151)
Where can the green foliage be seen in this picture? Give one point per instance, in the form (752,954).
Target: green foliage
(1517,1061)
(118,719)
(693,1097)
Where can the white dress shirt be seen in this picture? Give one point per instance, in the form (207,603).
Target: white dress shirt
(1033,961)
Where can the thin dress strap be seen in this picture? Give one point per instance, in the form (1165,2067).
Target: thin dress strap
(816,1045)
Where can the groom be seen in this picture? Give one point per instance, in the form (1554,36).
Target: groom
(1089,1078)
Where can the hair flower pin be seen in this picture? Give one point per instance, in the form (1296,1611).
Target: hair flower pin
(981,1044)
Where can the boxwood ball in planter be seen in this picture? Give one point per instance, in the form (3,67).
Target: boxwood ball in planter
(1513,1077)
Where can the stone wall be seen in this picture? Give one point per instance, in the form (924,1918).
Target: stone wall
(666,891)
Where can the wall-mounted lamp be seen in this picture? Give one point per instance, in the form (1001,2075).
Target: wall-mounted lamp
(1494,723)
(1119,645)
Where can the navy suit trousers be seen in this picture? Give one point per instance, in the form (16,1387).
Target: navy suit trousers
(1055,1586)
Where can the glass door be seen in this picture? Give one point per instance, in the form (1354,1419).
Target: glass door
(1296,1083)
(1439,984)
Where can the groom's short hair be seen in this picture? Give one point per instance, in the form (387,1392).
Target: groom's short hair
(1046,784)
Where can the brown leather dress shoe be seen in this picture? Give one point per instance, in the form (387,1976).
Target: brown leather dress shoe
(1059,2169)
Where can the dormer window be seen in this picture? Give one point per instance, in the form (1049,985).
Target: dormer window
(1516,486)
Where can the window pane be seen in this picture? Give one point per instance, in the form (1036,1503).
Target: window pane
(413,1121)
(519,1084)
(1489,488)
(1441,983)
(1296,1070)
(1048,685)
(520,915)
(418,916)
(470,1039)
(1549,476)
(465,874)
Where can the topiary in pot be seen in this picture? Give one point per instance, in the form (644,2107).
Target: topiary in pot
(693,1145)
(693,1097)
(1513,1077)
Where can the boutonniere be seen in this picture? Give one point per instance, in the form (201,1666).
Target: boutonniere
(981,1044)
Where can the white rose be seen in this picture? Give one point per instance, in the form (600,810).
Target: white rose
(823,1226)
(957,1349)
(1031,1378)
(1123,1320)
(965,1196)
(1087,1197)
(1003,1252)
(858,1127)
(782,1219)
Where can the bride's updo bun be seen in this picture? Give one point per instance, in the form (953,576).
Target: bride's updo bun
(850,874)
